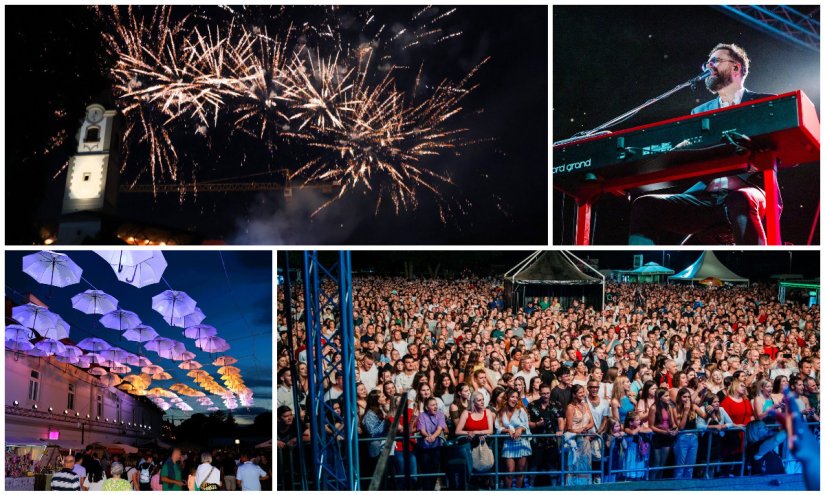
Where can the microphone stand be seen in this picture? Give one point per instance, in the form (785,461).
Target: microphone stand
(602,128)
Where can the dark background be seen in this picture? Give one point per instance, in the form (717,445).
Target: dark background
(609,59)
(56,65)
(751,264)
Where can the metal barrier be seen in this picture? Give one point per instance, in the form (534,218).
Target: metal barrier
(707,467)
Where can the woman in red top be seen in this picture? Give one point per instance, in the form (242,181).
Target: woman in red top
(738,406)
(475,422)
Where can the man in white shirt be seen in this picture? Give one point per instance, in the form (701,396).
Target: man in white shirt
(250,474)
(369,373)
(285,397)
(526,369)
(403,381)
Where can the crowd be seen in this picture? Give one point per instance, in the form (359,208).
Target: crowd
(156,471)
(662,377)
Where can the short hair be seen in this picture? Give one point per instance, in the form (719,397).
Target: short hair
(206,457)
(116,468)
(408,356)
(737,53)
(564,370)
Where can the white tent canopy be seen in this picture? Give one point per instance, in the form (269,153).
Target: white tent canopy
(708,265)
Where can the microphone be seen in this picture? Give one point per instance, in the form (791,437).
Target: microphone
(701,77)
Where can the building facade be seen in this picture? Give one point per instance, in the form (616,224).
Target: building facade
(49,402)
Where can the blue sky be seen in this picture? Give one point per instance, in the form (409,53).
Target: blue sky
(237,301)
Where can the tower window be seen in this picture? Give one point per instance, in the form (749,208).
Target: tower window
(92,135)
(87,176)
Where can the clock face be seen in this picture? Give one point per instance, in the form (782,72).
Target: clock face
(94,115)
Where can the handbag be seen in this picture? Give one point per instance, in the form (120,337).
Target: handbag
(482,456)
(208,487)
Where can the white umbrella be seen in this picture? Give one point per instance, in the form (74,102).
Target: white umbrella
(49,267)
(200,331)
(212,344)
(94,302)
(139,270)
(193,318)
(173,303)
(120,320)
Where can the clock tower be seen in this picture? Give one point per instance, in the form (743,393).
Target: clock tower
(91,181)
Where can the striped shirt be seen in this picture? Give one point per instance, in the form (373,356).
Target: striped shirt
(65,481)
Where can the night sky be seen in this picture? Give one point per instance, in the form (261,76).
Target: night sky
(752,264)
(57,64)
(609,59)
(240,308)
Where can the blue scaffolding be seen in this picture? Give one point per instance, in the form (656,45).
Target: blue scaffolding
(781,21)
(334,437)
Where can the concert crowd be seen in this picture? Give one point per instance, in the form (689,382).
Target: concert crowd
(665,376)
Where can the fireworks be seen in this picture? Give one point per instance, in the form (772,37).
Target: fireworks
(288,82)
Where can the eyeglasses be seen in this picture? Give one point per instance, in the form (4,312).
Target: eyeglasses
(714,61)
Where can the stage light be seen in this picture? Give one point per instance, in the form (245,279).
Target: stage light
(16,403)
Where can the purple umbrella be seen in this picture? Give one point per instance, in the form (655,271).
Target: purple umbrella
(172,352)
(67,359)
(173,304)
(159,343)
(120,320)
(190,365)
(94,344)
(138,272)
(193,318)
(37,352)
(60,330)
(141,333)
(51,346)
(135,360)
(212,344)
(71,351)
(94,302)
(115,354)
(34,316)
(19,345)
(200,331)
(183,356)
(48,267)
(18,333)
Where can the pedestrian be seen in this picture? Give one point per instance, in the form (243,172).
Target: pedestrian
(116,483)
(66,480)
(170,473)
(207,477)
(250,474)
(143,478)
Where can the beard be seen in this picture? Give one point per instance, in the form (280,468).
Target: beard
(716,82)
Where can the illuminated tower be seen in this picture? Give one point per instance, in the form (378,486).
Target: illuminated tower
(91,181)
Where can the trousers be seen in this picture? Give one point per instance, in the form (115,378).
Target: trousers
(673,218)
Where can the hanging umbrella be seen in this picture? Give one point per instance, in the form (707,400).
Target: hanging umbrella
(193,318)
(190,365)
(224,361)
(152,369)
(213,408)
(19,345)
(72,351)
(110,380)
(173,303)
(170,351)
(120,259)
(94,302)
(115,354)
(93,344)
(51,346)
(160,343)
(98,371)
(36,352)
(18,333)
(49,267)
(143,273)
(212,344)
(141,361)
(67,359)
(162,376)
(126,387)
(183,356)
(120,320)
(229,370)
(200,331)
(59,331)
(140,333)
(34,316)
(120,369)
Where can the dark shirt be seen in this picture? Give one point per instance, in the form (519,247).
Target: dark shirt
(561,396)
